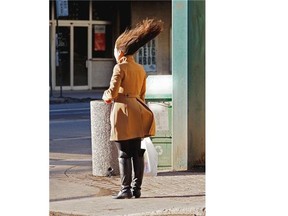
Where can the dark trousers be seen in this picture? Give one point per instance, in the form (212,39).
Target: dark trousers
(128,148)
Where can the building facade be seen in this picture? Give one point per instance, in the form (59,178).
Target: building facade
(82,41)
(81,58)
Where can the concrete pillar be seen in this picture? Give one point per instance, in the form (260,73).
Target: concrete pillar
(180,84)
(188,72)
(104,152)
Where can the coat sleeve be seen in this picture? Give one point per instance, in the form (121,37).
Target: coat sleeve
(115,83)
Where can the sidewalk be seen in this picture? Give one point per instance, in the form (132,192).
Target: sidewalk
(74,191)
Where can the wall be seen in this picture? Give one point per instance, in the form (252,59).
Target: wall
(102,70)
(196,86)
(159,10)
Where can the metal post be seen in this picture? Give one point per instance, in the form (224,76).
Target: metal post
(50,66)
(59,63)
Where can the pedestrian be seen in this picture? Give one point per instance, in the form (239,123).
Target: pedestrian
(131,119)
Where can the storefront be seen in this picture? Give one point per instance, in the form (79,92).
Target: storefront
(81,57)
(82,42)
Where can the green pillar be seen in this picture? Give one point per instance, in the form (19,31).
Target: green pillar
(188,71)
(180,84)
(196,86)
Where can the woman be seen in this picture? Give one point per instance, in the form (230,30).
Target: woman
(130,118)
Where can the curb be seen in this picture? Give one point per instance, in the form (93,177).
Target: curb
(70,100)
(164,212)
(173,212)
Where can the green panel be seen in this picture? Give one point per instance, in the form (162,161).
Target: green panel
(180,84)
(158,97)
(163,147)
(163,116)
(163,138)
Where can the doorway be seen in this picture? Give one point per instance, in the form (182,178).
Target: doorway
(71,46)
(80,56)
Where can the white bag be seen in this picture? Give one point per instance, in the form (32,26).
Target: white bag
(150,157)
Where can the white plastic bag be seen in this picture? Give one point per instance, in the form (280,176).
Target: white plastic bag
(150,157)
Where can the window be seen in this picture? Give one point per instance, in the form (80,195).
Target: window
(78,10)
(102,41)
(103,10)
(50,10)
(146,56)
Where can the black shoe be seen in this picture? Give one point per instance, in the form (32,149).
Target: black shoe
(123,195)
(136,193)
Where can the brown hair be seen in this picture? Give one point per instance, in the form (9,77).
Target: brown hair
(132,39)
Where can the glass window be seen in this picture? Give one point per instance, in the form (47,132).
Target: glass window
(63,57)
(102,41)
(78,10)
(50,9)
(80,56)
(103,10)
(146,56)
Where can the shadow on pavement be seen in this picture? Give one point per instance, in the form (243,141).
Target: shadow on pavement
(181,173)
(180,196)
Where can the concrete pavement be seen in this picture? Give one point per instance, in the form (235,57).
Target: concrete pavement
(75,191)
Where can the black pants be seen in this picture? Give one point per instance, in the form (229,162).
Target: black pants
(128,148)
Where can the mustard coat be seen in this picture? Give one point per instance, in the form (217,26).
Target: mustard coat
(130,116)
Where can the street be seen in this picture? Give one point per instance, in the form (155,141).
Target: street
(74,190)
(69,128)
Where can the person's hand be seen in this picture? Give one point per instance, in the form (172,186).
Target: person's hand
(108,101)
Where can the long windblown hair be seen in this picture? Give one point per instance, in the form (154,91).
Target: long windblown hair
(132,39)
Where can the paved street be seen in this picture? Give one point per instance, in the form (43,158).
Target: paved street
(70,128)
(75,191)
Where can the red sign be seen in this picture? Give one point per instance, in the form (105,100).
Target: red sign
(99,38)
